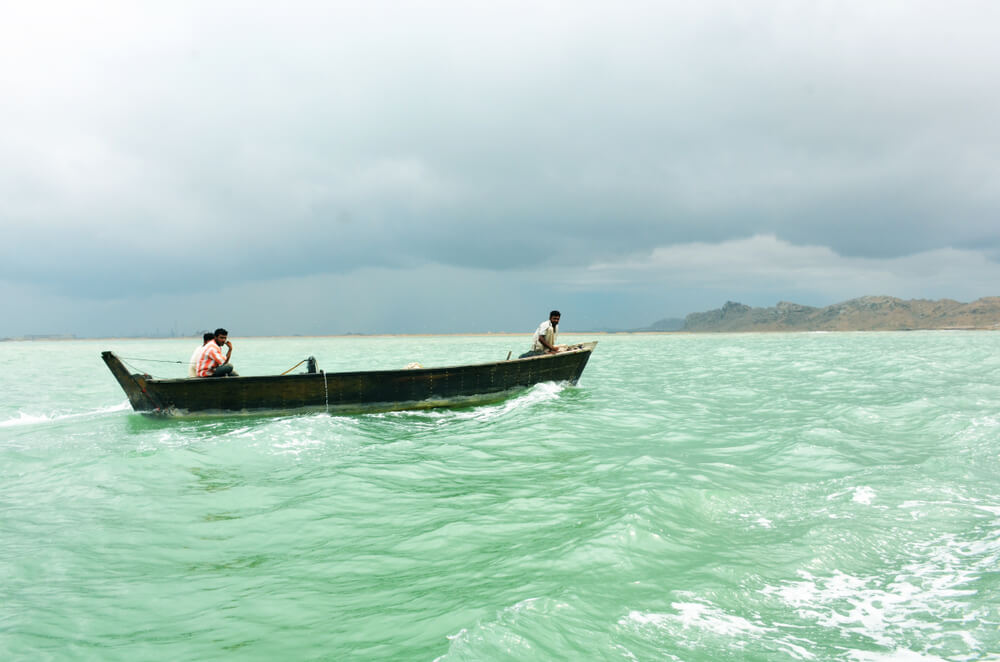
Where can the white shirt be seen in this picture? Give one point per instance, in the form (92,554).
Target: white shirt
(193,363)
(547,331)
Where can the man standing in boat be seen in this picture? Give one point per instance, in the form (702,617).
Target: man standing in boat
(211,362)
(544,340)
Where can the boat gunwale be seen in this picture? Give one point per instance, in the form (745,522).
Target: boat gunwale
(583,347)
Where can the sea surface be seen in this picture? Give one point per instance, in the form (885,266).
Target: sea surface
(694,497)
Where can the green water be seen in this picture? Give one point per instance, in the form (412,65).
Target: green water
(723,497)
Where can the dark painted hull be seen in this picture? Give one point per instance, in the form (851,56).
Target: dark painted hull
(348,392)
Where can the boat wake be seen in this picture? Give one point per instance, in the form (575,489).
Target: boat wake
(24,419)
(536,394)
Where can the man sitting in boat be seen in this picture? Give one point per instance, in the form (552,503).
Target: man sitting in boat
(544,340)
(193,362)
(211,362)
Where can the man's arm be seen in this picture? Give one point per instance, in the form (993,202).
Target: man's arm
(229,350)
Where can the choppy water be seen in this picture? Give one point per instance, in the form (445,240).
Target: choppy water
(723,497)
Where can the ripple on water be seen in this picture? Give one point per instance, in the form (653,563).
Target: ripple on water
(780,496)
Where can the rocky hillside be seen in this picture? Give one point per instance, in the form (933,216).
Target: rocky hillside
(877,313)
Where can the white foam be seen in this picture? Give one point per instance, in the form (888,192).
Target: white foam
(757,519)
(536,394)
(900,655)
(695,614)
(41,419)
(698,615)
(937,581)
(701,617)
(863,495)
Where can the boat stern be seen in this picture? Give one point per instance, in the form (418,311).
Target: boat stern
(134,385)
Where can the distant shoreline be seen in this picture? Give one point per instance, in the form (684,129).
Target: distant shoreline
(507,334)
(865,314)
(499,334)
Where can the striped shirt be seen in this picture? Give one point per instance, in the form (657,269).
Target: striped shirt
(209,359)
(193,361)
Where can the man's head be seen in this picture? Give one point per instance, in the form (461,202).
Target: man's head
(205,337)
(221,336)
(554,317)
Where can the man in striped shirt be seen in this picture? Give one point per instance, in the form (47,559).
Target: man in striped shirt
(211,362)
(196,354)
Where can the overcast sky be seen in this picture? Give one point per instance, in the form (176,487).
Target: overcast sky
(375,166)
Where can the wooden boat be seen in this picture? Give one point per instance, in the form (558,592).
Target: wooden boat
(348,392)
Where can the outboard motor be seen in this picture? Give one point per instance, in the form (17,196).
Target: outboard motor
(311,365)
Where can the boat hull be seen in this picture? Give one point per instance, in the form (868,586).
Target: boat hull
(348,392)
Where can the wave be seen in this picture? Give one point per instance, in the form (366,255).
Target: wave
(536,394)
(23,419)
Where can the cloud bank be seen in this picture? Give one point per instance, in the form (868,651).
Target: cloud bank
(634,162)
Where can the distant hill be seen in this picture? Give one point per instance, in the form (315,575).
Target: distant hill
(873,313)
(668,324)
